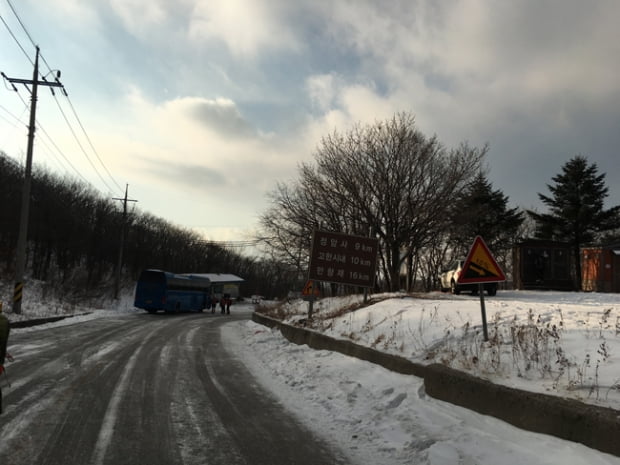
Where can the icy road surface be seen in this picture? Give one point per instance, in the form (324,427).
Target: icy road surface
(143,389)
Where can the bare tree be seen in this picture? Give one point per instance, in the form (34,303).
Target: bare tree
(385,179)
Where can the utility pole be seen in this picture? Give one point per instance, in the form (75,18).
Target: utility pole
(119,265)
(20,254)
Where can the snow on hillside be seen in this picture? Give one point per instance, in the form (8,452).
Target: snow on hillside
(560,343)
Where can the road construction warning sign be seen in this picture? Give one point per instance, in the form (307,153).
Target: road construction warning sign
(311,289)
(480,266)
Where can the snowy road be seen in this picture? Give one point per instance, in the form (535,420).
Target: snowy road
(143,389)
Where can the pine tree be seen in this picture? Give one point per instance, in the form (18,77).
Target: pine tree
(576,209)
(482,211)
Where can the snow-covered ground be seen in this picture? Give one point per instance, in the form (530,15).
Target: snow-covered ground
(560,343)
(386,417)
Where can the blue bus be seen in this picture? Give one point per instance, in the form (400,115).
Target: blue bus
(161,290)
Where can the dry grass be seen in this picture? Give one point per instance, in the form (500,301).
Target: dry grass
(531,348)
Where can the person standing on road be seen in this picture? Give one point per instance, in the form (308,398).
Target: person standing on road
(4,339)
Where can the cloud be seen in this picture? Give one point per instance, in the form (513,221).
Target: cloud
(234,94)
(190,174)
(137,15)
(481,46)
(80,14)
(219,115)
(206,145)
(321,90)
(197,161)
(247,28)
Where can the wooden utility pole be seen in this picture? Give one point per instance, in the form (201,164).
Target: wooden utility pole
(119,265)
(20,254)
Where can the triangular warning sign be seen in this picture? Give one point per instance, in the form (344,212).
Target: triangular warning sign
(480,266)
(310,288)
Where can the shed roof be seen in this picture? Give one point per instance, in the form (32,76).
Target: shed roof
(219,277)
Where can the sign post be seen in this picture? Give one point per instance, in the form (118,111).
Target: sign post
(480,267)
(483,310)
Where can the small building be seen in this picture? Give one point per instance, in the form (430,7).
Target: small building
(222,283)
(542,264)
(600,268)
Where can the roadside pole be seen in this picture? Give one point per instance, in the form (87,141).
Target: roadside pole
(22,238)
(485,330)
(119,264)
(310,306)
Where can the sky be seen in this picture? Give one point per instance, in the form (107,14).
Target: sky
(377,416)
(203,106)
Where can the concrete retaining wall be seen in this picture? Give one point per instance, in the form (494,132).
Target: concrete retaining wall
(595,427)
(42,321)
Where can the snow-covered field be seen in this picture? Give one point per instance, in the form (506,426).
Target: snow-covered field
(560,343)
(553,342)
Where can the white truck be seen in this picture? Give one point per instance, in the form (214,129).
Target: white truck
(450,275)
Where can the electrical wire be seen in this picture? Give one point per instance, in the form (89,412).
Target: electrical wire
(8,121)
(231,244)
(20,22)
(16,40)
(77,172)
(7,111)
(80,145)
(40,127)
(91,144)
(15,124)
(60,108)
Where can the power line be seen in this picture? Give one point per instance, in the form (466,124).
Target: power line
(80,145)
(51,140)
(20,22)
(231,244)
(16,40)
(42,129)
(7,111)
(60,108)
(15,123)
(91,144)
(77,172)
(51,155)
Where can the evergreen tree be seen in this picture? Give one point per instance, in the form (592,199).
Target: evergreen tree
(576,211)
(482,211)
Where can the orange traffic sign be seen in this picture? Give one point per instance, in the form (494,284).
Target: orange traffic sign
(310,289)
(480,266)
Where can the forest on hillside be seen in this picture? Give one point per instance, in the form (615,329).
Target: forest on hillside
(74,240)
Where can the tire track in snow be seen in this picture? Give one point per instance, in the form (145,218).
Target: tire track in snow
(46,379)
(14,429)
(107,426)
(199,431)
